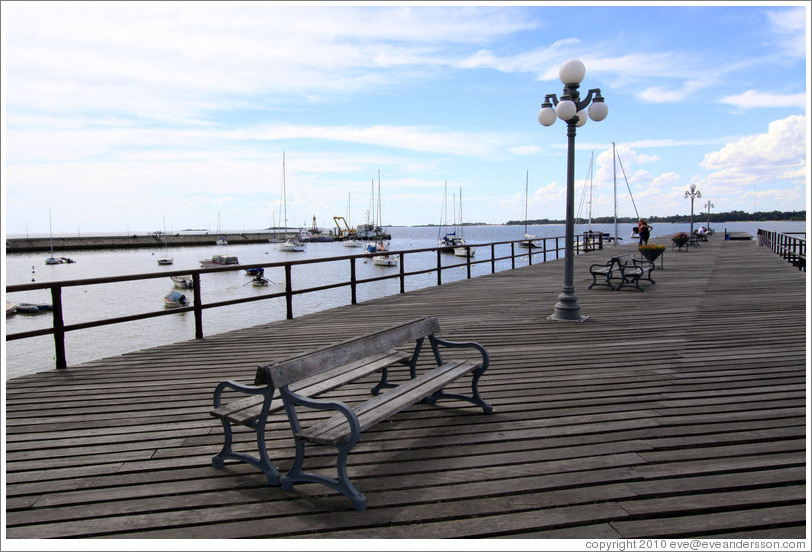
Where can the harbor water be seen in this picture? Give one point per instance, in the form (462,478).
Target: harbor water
(89,303)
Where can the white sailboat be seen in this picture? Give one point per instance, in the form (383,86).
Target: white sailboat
(165,259)
(448,240)
(295,242)
(51,260)
(378,247)
(352,241)
(529,240)
(221,239)
(461,249)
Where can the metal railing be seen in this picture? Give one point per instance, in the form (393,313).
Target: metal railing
(788,245)
(59,328)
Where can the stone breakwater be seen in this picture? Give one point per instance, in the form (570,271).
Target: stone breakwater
(62,244)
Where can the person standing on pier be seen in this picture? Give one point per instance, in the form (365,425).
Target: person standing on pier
(644,231)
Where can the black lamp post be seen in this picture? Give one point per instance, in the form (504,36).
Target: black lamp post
(693,193)
(708,206)
(573,111)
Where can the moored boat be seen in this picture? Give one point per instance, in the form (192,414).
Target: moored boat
(175,299)
(219,260)
(10,308)
(32,308)
(183,281)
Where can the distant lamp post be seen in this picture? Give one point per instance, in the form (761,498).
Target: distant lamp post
(693,193)
(708,206)
(572,110)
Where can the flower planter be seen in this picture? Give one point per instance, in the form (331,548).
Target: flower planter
(679,242)
(651,254)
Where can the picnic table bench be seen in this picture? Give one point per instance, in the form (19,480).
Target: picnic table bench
(299,380)
(626,269)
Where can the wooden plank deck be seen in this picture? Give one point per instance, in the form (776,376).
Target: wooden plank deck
(676,412)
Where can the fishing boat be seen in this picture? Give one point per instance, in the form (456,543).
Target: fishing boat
(530,240)
(175,299)
(295,242)
(219,260)
(184,281)
(51,260)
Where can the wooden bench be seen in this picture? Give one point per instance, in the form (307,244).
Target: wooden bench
(343,429)
(252,411)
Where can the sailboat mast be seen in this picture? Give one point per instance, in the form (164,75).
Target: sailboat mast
(614,179)
(284,198)
(591,173)
(51,231)
(526,191)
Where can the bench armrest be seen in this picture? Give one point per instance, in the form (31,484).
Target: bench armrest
(435,341)
(235,386)
(292,399)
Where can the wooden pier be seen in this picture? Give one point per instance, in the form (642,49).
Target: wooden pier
(675,412)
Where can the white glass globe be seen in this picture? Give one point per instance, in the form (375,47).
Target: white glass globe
(598,111)
(581,118)
(565,110)
(572,71)
(547,116)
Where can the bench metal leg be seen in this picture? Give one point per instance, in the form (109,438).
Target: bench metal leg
(262,463)
(342,485)
(475,397)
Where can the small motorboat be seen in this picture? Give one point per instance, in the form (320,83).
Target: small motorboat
(183,281)
(257,271)
(32,308)
(165,260)
(10,308)
(219,260)
(175,299)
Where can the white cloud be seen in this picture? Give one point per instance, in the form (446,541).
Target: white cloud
(754,99)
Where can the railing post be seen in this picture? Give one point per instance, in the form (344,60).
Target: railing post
(544,250)
(493,259)
(530,254)
(198,305)
(59,327)
(353,283)
(468,261)
(402,273)
(288,292)
(512,255)
(439,269)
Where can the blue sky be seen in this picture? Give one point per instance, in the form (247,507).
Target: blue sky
(118,116)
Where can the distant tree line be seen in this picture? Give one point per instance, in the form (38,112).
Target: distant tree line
(729,216)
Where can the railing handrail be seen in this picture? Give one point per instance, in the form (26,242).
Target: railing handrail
(59,328)
(786,244)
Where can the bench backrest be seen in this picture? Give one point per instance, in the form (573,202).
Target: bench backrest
(309,364)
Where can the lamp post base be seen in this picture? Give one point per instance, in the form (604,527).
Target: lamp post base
(568,309)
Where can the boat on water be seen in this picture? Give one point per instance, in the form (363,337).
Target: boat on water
(31,308)
(259,281)
(221,239)
(462,249)
(378,248)
(530,240)
(184,281)
(256,271)
(10,308)
(219,260)
(296,241)
(165,259)
(55,260)
(175,299)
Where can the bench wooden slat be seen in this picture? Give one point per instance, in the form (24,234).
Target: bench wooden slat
(306,365)
(335,429)
(248,409)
